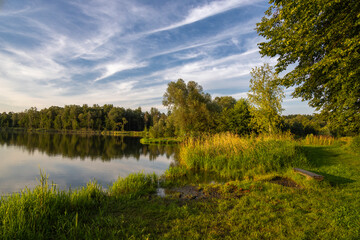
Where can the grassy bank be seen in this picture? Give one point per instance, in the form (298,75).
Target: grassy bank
(232,156)
(123,133)
(47,213)
(251,208)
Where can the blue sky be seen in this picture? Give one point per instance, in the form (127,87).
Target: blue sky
(126,52)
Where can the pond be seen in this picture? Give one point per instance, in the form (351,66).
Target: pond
(71,161)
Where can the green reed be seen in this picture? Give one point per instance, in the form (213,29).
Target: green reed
(135,185)
(235,157)
(48,213)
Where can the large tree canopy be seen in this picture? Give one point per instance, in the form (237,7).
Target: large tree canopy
(190,107)
(322,39)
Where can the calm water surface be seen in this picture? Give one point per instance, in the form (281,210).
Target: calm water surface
(73,160)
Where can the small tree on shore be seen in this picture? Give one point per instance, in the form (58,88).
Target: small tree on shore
(265,98)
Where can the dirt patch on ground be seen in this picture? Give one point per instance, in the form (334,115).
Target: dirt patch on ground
(186,192)
(198,193)
(219,191)
(286,182)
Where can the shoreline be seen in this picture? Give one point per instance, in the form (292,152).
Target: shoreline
(79,132)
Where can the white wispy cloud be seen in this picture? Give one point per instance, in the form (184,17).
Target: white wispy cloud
(219,72)
(205,11)
(110,69)
(49,56)
(213,41)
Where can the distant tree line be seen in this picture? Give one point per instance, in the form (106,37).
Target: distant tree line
(75,117)
(302,125)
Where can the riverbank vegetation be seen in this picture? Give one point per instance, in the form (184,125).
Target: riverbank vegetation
(170,140)
(45,212)
(234,157)
(266,205)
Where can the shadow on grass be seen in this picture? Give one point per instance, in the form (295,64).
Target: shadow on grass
(320,156)
(335,180)
(195,177)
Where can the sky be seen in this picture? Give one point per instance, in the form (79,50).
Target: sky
(125,52)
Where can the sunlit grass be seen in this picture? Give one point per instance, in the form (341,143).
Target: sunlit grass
(319,140)
(235,157)
(45,212)
(169,140)
(135,185)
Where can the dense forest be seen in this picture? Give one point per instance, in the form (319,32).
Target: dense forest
(74,117)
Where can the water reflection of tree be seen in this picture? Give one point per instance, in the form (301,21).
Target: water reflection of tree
(155,150)
(94,147)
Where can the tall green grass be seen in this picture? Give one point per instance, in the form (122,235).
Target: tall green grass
(135,185)
(235,157)
(319,140)
(48,213)
(27,214)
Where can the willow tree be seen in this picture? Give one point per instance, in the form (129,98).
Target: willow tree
(320,39)
(265,98)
